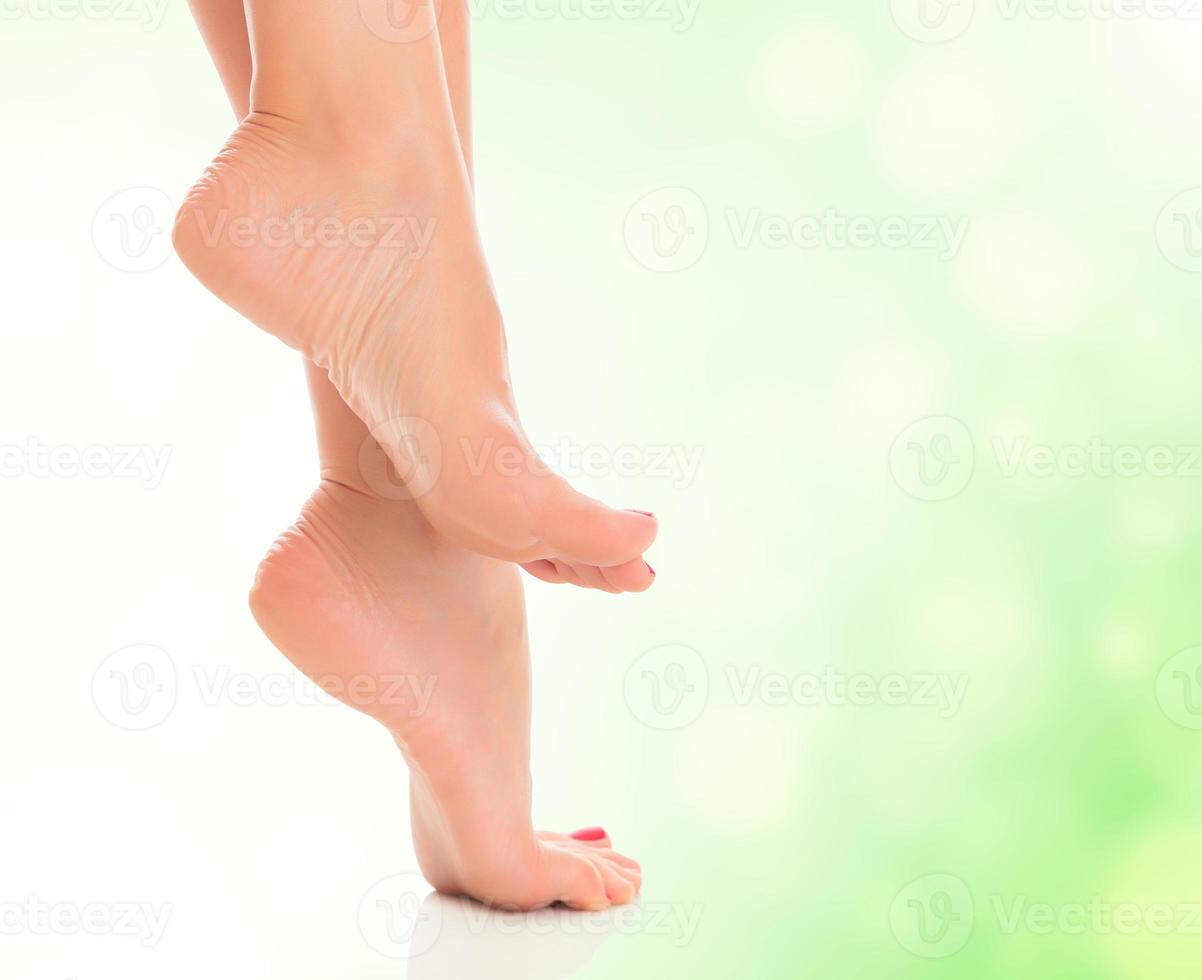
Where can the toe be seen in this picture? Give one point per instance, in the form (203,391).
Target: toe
(545,571)
(583,530)
(620,888)
(593,836)
(518,511)
(578,882)
(567,571)
(595,844)
(621,859)
(632,576)
(593,577)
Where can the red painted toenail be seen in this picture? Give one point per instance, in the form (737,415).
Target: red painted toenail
(645,513)
(650,569)
(590,834)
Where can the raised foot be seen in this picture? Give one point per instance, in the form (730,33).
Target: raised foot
(366,258)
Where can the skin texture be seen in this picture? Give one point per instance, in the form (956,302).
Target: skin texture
(424,636)
(392,299)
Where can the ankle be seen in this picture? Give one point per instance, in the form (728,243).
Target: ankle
(317,116)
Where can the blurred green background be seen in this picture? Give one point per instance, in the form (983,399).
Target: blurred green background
(915,286)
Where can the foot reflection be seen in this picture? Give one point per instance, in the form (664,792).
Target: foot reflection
(456,938)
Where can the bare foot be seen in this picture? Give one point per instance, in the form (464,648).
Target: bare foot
(344,437)
(360,250)
(430,640)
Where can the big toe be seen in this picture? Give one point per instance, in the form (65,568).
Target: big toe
(584,531)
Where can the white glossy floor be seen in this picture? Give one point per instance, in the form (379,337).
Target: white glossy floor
(448,939)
